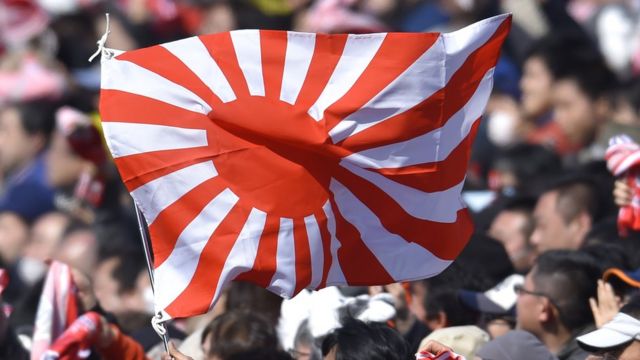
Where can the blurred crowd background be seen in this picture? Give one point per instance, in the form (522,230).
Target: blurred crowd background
(538,185)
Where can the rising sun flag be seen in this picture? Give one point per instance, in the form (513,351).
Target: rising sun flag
(298,160)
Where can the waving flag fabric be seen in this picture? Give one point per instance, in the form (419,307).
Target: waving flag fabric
(298,160)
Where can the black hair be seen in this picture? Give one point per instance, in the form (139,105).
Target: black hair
(357,340)
(238,332)
(245,295)
(561,51)
(37,117)
(593,78)
(569,278)
(577,193)
(527,162)
(446,300)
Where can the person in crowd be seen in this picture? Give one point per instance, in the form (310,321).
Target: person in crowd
(516,344)
(25,130)
(553,302)
(564,214)
(513,227)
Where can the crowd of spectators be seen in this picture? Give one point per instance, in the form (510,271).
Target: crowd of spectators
(547,263)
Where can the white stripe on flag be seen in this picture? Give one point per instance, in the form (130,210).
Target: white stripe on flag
(433,146)
(335,275)
(315,250)
(300,48)
(177,271)
(358,52)
(157,195)
(440,206)
(422,79)
(460,44)
(194,54)
(401,259)
(131,138)
(244,251)
(283,282)
(132,78)
(247,46)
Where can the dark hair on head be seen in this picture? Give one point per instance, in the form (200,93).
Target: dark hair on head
(593,78)
(527,161)
(569,278)
(246,295)
(447,301)
(576,194)
(357,340)
(37,117)
(240,331)
(560,50)
(608,255)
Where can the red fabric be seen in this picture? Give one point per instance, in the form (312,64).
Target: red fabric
(122,348)
(623,160)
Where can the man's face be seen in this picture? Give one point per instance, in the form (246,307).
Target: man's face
(16,146)
(572,109)
(508,228)
(551,231)
(536,87)
(527,307)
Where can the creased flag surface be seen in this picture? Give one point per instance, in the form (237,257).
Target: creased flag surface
(298,160)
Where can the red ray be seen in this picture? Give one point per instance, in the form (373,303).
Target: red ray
(170,223)
(198,295)
(385,67)
(326,55)
(359,265)
(438,176)
(221,49)
(444,240)
(303,255)
(321,218)
(120,106)
(273,45)
(137,170)
(264,267)
(162,62)
(438,108)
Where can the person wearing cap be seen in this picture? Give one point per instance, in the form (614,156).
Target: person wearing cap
(553,302)
(619,338)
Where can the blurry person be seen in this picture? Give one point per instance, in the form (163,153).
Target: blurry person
(515,168)
(46,234)
(76,162)
(25,130)
(553,302)
(513,227)
(79,248)
(119,283)
(14,235)
(463,340)
(564,214)
(359,340)
(304,345)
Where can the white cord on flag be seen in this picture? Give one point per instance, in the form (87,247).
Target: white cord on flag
(102,41)
(157,322)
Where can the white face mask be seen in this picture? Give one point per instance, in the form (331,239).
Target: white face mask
(502,128)
(31,270)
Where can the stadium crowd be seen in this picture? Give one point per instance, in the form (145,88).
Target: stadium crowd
(550,271)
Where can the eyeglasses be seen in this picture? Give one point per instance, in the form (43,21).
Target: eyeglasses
(520,290)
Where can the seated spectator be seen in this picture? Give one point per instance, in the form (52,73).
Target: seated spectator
(553,302)
(620,337)
(564,215)
(359,340)
(25,130)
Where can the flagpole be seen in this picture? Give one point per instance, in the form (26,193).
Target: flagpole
(162,331)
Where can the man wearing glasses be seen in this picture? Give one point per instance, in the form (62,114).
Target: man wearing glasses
(553,302)
(619,338)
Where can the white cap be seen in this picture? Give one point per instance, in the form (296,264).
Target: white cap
(622,329)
